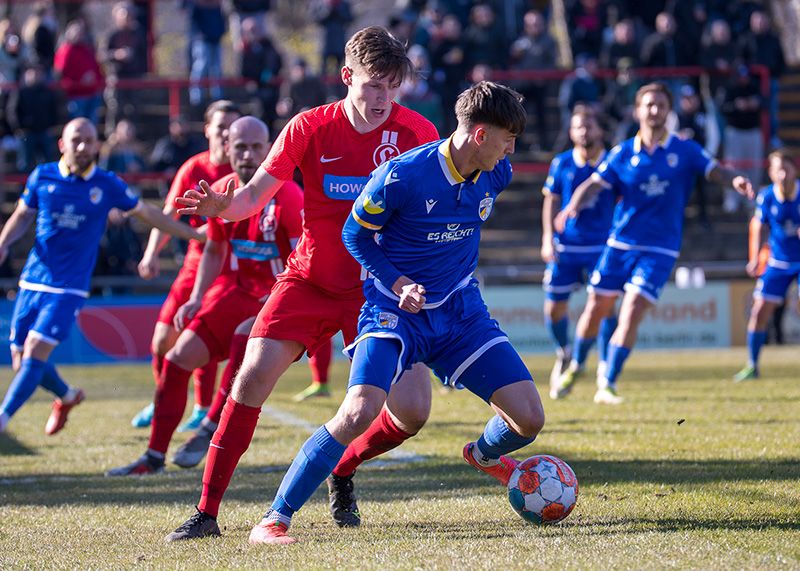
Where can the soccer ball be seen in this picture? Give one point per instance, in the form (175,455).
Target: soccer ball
(543,489)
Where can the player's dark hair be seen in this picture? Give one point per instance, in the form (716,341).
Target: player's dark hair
(784,155)
(655,87)
(222,106)
(379,53)
(585,111)
(493,104)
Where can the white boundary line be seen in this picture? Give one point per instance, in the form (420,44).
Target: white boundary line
(391,458)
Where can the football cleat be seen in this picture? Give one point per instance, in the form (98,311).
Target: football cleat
(144,417)
(562,362)
(607,395)
(192,452)
(196,527)
(270,533)
(144,466)
(58,416)
(311,391)
(344,508)
(749,373)
(501,471)
(193,423)
(563,386)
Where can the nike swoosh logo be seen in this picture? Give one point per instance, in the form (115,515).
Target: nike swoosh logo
(324,159)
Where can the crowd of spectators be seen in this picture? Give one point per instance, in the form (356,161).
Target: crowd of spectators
(56,67)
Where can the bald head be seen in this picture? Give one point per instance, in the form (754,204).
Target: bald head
(79,144)
(247,146)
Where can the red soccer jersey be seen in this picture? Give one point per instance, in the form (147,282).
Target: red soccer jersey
(261,244)
(336,161)
(195,169)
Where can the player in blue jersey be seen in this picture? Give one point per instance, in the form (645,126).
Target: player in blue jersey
(426,208)
(778,213)
(70,201)
(572,255)
(653,175)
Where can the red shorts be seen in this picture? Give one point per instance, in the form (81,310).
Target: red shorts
(297,310)
(225,306)
(179,294)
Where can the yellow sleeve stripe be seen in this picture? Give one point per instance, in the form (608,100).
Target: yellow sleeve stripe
(364,223)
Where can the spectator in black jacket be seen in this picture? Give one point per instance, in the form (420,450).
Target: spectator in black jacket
(333,16)
(623,45)
(761,46)
(483,41)
(718,55)
(32,113)
(660,49)
(125,55)
(261,63)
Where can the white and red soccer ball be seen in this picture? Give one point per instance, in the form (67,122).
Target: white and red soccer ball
(543,489)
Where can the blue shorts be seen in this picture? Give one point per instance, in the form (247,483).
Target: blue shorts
(641,272)
(567,274)
(48,316)
(463,345)
(773,285)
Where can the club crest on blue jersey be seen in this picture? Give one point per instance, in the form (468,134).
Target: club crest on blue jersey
(95,195)
(387,320)
(485,208)
(672,160)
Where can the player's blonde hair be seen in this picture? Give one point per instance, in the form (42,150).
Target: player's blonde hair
(379,53)
(492,104)
(655,87)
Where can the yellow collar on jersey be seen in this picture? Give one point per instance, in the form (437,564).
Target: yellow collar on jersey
(637,142)
(448,167)
(580,163)
(65,172)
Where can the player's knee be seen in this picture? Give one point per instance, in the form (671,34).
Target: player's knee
(159,346)
(532,423)
(355,415)
(411,419)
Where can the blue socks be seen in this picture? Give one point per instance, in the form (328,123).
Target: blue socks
(24,385)
(607,328)
(315,461)
(498,439)
(52,381)
(582,348)
(558,331)
(616,359)
(755,340)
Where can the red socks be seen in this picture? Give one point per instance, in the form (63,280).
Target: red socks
(235,358)
(157,363)
(320,363)
(381,436)
(205,383)
(234,433)
(170,404)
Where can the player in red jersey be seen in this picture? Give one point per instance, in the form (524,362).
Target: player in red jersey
(209,165)
(219,302)
(335,146)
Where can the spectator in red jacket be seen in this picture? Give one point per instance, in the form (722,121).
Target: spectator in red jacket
(79,72)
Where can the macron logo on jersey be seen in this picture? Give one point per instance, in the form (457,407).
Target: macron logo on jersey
(429,204)
(343,187)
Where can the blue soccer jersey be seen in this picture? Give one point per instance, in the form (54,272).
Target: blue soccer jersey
(427,218)
(70,220)
(783,219)
(588,231)
(653,189)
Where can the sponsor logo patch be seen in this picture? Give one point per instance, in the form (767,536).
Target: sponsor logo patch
(387,320)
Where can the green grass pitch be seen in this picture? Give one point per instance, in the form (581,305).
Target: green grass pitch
(692,472)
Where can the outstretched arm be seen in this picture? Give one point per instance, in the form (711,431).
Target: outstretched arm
(15,228)
(729,177)
(235,203)
(582,195)
(154,217)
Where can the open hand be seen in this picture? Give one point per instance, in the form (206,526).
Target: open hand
(205,202)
